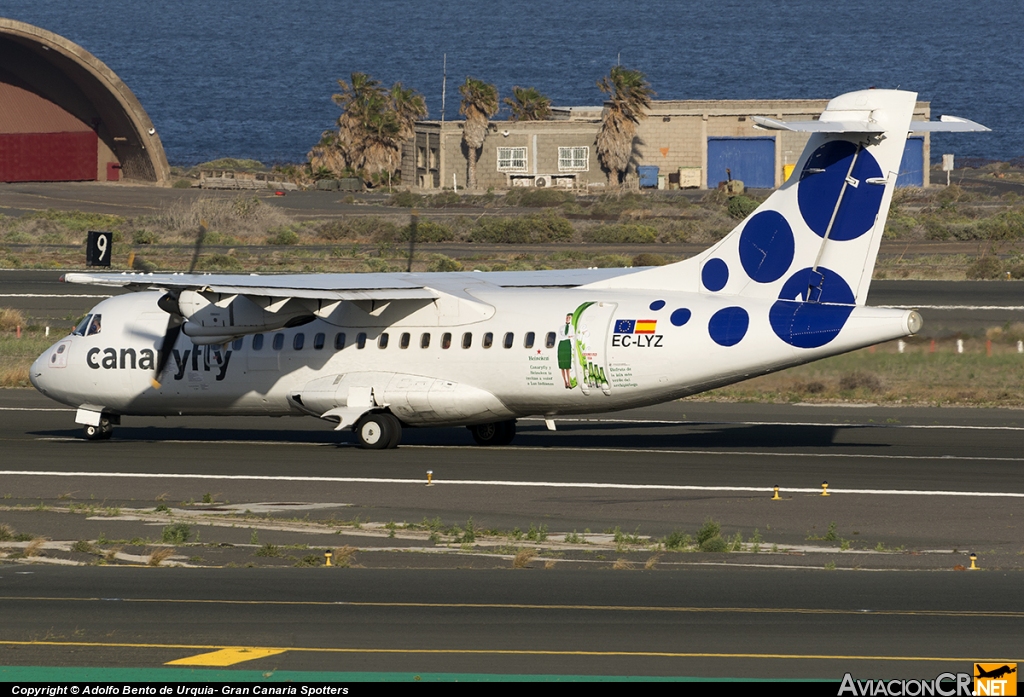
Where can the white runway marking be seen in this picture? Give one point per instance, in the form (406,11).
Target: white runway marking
(35,409)
(670,422)
(506,483)
(1017,308)
(51,295)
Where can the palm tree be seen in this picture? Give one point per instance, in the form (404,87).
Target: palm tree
(528,104)
(373,125)
(479,104)
(629,94)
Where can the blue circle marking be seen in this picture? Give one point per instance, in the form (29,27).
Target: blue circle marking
(812,308)
(680,317)
(714,275)
(657,305)
(821,182)
(767,247)
(729,325)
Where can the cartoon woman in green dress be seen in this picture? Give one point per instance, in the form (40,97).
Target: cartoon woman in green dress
(567,334)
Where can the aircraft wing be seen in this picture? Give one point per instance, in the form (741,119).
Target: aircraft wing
(368,286)
(346,286)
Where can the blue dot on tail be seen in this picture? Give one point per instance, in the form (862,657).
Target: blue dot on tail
(657,305)
(728,326)
(821,182)
(812,308)
(767,247)
(680,317)
(714,275)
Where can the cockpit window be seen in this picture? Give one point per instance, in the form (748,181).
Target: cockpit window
(94,325)
(82,326)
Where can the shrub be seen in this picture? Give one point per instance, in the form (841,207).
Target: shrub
(405,199)
(538,198)
(361,228)
(648,259)
(283,236)
(985,268)
(428,231)
(529,229)
(443,263)
(715,544)
(178,533)
(628,233)
(740,207)
(183,184)
(710,529)
(860,380)
(219,262)
(610,261)
(11,319)
(144,237)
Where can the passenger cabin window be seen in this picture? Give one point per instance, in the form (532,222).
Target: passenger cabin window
(446,340)
(528,341)
(467,340)
(425,340)
(488,340)
(404,341)
(361,340)
(257,342)
(549,341)
(94,325)
(236,345)
(318,341)
(339,341)
(382,340)
(299,341)
(278,341)
(509,339)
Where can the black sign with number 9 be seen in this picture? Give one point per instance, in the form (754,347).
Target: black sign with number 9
(99,248)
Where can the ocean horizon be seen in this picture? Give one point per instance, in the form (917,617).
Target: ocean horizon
(255,80)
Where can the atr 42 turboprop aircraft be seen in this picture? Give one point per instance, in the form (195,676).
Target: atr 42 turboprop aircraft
(379,352)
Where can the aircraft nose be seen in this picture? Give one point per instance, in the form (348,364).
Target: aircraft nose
(37,372)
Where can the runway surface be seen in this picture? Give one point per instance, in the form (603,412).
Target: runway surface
(864,580)
(913,490)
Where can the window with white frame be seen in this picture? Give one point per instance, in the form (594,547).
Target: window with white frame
(574,159)
(511,159)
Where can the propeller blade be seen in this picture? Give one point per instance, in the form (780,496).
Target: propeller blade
(414,222)
(169,304)
(200,236)
(170,338)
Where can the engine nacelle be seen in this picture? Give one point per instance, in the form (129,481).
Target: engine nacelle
(219,316)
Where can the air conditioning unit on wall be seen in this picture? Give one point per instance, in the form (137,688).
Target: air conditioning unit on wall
(542,182)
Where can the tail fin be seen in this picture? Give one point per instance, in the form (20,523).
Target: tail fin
(815,238)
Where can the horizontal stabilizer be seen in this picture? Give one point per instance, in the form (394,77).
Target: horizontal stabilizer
(947,124)
(818,126)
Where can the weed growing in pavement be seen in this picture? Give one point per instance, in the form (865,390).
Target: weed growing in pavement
(178,533)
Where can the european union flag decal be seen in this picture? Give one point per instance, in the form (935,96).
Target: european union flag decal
(625,326)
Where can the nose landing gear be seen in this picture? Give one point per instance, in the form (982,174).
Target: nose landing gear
(103,431)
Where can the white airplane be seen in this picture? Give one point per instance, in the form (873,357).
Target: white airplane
(378,352)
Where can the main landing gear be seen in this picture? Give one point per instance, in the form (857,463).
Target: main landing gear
(103,431)
(378,431)
(498,433)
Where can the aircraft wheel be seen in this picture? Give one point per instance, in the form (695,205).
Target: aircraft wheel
(378,431)
(93,433)
(498,433)
(106,429)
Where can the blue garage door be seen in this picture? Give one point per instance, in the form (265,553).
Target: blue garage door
(912,165)
(752,161)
